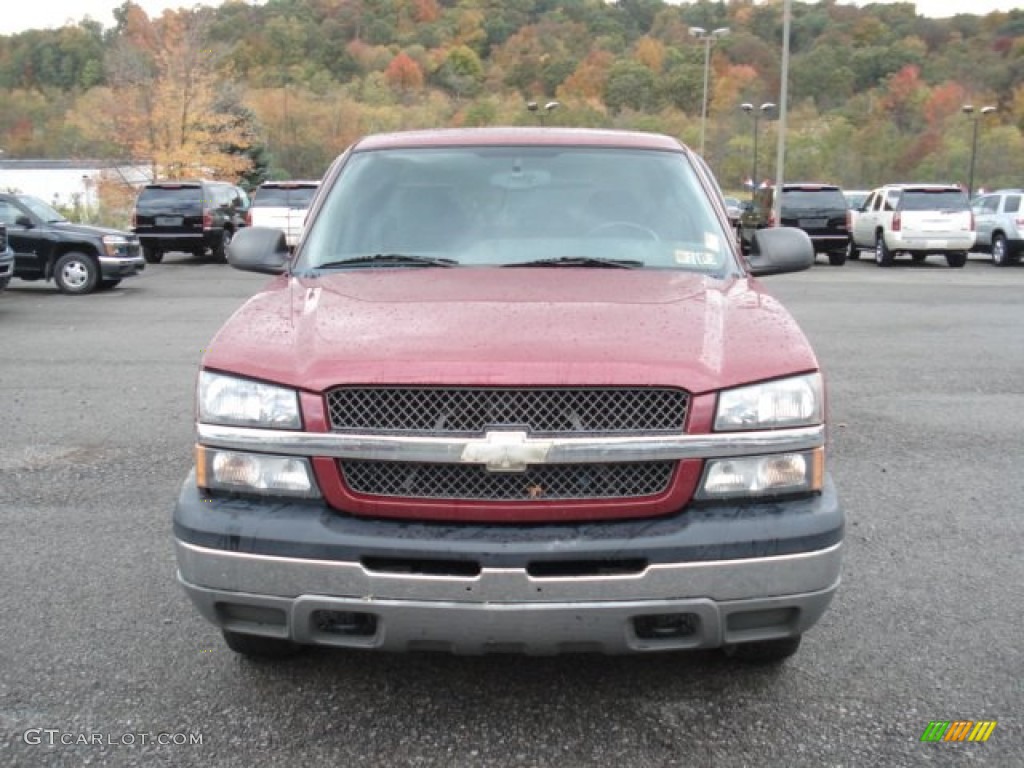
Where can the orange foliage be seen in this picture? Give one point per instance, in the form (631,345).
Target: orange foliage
(589,79)
(404,74)
(944,100)
(650,53)
(426,11)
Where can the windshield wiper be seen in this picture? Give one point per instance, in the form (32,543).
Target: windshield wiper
(579,261)
(395,259)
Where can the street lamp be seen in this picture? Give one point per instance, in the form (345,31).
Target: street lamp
(708,37)
(534,107)
(968,110)
(756,113)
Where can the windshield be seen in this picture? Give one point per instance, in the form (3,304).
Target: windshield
(44,211)
(513,205)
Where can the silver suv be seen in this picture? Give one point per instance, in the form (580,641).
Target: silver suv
(999,221)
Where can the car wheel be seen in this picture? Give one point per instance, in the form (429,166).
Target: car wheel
(852,251)
(106,285)
(260,647)
(1000,253)
(883,256)
(956,259)
(76,273)
(220,250)
(764,651)
(152,255)
(837,258)
(4,282)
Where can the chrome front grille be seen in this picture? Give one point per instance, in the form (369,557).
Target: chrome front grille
(540,411)
(540,482)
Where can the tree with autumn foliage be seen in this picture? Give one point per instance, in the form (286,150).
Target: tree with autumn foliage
(169,106)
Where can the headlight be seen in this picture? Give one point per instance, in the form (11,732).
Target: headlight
(759,476)
(246,403)
(115,245)
(794,402)
(254,473)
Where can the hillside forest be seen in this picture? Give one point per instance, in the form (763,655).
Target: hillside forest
(248,91)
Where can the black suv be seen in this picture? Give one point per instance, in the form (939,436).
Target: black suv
(197,217)
(817,209)
(80,258)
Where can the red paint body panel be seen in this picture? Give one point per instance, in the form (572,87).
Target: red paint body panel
(512,327)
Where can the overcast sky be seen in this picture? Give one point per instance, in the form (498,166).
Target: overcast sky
(17,17)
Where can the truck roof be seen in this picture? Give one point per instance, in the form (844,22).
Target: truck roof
(519,135)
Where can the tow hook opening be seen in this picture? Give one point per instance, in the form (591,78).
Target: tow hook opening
(666,626)
(345,623)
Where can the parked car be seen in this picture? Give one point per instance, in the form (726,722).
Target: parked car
(198,217)
(733,207)
(917,219)
(79,258)
(855,197)
(999,225)
(6,259)
(283,205)
(817,209)
(516,390)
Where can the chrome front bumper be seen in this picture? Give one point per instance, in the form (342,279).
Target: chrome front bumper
(507,609)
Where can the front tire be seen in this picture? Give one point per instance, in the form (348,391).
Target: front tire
(852,251)
(764,651)
(837,258)
(152,255)
(956,260)
(260,647)
(76,273)
(883,256)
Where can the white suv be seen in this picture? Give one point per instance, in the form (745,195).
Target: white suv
(282,205)
(999,219)
(918,219)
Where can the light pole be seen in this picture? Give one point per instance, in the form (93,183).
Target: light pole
(756,113)
(548,108)
(968,110)
(708,37)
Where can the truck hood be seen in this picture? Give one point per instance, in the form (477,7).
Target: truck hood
(86,230)
(509,327)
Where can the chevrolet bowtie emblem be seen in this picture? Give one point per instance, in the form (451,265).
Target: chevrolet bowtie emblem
(506,451)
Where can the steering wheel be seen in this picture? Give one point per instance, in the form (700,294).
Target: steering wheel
(608,225)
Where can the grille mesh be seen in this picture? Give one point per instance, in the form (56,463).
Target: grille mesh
(540,482)
(470,411)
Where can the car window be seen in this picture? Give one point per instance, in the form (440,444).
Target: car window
(934,200)
(284,197)
(9,213)
(812,198)
(503,205)
(169,198)
(1012,204)
(892,200)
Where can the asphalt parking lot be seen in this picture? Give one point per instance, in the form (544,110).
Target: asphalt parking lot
(925,367)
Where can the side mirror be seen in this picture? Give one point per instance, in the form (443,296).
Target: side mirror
(776,250)
(23,221)
(259,249)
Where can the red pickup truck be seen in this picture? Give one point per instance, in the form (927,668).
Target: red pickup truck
(515,390)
